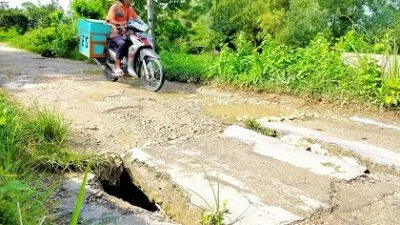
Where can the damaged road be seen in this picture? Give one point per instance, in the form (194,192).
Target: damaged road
(181,144)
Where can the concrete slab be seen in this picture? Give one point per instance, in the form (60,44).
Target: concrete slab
(374,123)
(344,168)
(244,207)
(376,154)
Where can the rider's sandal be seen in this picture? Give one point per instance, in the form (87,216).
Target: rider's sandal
(119,73)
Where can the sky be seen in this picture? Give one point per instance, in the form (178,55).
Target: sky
(17,3)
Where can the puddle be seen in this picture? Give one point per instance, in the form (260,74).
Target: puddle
(231,113)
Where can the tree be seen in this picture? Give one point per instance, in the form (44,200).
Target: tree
(92,9)
(170,22)
(38,16)
(14,19)
(304,20)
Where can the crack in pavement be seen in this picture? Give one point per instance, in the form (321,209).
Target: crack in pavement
(377,201)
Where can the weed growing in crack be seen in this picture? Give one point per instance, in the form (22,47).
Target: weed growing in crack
(214,214)
(252,124)
(80,199)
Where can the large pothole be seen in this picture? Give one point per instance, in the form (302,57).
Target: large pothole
(146,187)
(126,190)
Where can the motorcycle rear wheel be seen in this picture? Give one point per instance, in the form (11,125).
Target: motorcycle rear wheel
(154,80)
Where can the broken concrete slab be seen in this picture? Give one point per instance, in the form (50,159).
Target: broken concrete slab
(345,168)
(373,202)
(244,207)
(376,154)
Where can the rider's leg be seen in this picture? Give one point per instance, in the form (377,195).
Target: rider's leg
(120,44)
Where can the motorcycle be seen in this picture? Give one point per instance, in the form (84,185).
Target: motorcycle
(142,62)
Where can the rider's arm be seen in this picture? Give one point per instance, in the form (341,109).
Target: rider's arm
(111,17)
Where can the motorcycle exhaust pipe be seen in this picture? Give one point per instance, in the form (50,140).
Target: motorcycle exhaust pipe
(98,62)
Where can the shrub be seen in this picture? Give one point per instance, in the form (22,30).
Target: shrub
(316,70)
(182,67)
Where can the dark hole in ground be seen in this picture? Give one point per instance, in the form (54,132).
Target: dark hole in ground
(129,192)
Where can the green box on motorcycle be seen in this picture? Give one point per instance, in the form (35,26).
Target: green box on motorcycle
(93,36)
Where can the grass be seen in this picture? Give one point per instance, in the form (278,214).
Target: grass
(187,68)
(34,145)
(44,41)
(80,199)
(215,213)
(254,125)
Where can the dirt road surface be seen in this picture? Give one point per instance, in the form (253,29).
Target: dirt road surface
(326,165)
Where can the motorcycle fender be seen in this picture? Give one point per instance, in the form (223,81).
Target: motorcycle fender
(145,52)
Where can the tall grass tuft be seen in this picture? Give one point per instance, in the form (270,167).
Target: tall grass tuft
(32,142)
(80,199)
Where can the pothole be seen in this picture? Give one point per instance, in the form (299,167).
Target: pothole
(125,189)
(146,187)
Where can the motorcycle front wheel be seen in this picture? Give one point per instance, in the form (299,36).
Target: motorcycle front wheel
(151,74)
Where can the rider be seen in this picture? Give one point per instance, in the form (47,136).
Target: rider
(118,15)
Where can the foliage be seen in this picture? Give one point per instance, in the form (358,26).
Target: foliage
(215,216)
(92,9)
(41,29)
(80,199)
(179,66)
(304,21)
(214,213)
(31,139)
(52,41)
(169,31)
(39,16)
(256,126)
(14,19)
(316,70)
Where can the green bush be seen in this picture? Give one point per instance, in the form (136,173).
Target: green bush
(182,67)
(316,70)
(389,93)
(14,19)
(14,162)
(64,41)
(42,38)
(51,41)
(92,9)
